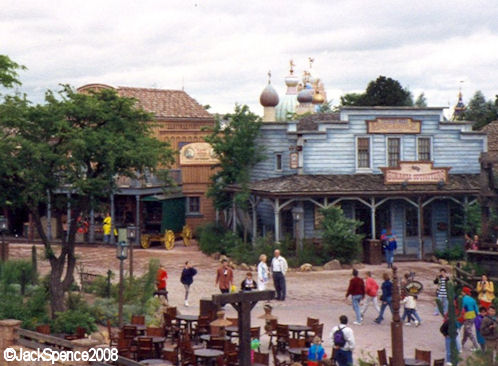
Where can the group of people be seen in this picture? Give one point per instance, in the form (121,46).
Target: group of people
(186,278)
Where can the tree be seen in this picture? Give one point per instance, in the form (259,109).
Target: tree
(480,110)
(8,72)
(381,92)
(234,143)
(339,238)
(74,143)
(421,101)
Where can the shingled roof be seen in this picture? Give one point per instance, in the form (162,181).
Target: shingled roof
(311,122)
(166,103)
(491,130)
(358,185)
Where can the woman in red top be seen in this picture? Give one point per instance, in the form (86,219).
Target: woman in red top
(161,277)
(371,290)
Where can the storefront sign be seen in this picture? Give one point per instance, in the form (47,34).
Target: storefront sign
(394,126)
(197,153)
(413,172)
(294,160)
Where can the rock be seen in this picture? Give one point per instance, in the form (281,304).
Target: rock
(232,265)
(358,266)
(244,267)
(434,259)
(216,256)
(306,267)
(346,266)
(317,268)
(332,265)
(443,262)
(222,257)
(253,268)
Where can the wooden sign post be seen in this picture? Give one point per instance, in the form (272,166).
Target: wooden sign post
(244,302)
(396,324)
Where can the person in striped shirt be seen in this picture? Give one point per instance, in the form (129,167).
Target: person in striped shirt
(442,294)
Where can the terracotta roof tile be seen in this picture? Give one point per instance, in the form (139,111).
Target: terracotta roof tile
(357,184)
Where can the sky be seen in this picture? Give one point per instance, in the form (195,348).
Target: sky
(220,51)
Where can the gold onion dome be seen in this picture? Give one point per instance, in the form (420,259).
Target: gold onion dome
(269,97)
(318,98)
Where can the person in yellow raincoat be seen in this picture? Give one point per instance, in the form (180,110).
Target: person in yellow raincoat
(106,228)
(485,291)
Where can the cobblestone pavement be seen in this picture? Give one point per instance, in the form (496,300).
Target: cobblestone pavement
(319,294)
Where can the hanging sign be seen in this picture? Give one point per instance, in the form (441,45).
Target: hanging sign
(413,172)
(294,160)
(393,125)
(197,153)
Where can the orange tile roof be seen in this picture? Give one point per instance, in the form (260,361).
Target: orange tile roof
(166,103)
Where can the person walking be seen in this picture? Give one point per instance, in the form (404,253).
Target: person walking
(489,331)
(371,291)
(356,289)
(485,291)
(224,277)
(342,338)
(478,322)
(161,277)
(278,270)
(386,297)
(187,278)
(470,311)
(441,292)
(263,273)
(392,245)
(106,228)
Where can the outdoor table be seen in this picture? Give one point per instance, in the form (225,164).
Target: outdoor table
(208,337)
(207,355)
(295,352)
(187,320)
(415,362)
(296,330)
(157,341)
(140,328)
(155,362)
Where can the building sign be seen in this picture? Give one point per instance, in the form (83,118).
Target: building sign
(294,160)
(197,153)
(414,172)
(394,125)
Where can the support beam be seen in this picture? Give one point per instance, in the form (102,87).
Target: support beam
(420,229)
(372,217)
(276,211)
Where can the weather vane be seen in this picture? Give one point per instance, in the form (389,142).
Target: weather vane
(269,76)
(311,60)
(292,64)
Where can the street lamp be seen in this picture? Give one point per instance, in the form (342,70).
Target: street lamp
(3,229)
(131,234)
(121,254)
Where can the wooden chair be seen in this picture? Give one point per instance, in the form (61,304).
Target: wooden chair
(171,356)
(304,357)
(382,356)
(316,332)
(312,321)
(123,346)
(232,358)
(272,331)
(172,311)
(439,362)
(113,337)
(256,334)
(423,355)
(218,344)
(145,348)
(220,361)
(129,331)
(188,358)
(202,327)
(276,360)
(138,319)
(171,330)
(154,332)
(282,336)
(261,359)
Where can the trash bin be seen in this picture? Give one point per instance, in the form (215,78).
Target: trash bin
(372,251)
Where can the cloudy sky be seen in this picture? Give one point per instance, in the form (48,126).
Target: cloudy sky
(221,50)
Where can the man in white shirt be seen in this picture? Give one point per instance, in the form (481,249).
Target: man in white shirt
(278,269)
(344,349)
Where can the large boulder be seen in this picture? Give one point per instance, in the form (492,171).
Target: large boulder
(358,266)
(244,267)
(334,264)
(306,267)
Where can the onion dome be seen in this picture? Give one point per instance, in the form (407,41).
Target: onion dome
(305,96)
(318,98)
(291,80)
(269,97)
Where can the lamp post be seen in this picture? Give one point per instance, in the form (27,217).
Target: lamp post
(3,229)
(121,254)
(131,234)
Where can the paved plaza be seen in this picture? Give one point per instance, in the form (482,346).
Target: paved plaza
(319,294)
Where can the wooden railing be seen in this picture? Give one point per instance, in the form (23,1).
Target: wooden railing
(31,339)
(469,279)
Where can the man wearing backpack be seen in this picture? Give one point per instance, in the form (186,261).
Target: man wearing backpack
(342,338)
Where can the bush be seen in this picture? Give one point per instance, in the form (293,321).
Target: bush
(211,238)
(454,253)
(18,271)
(67,322)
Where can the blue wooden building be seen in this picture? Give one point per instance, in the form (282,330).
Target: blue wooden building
(409,170)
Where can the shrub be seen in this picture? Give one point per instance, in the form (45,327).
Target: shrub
(339,238)
(69,320)
(18,271)
(211,238)
(454,253)
(105,309)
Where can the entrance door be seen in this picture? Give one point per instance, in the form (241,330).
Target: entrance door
(362,214)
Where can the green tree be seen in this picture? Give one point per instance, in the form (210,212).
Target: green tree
(234,142)
(340,240)
(75,143)
(383,91)
(8,72)
(421,101)
(480,110)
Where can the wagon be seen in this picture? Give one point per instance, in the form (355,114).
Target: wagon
(164,221)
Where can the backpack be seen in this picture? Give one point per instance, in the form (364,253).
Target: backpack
(339,339)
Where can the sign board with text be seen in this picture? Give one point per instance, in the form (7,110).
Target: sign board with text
(197,153)
(415,172)
(394,126)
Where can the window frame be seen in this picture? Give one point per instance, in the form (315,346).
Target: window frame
(357,155)
(188,205)
(400,150)
(276,161)
(431,152)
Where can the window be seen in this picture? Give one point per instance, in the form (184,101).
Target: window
(278,162)
(411,223)
(424,148)
(193,205)
(363,146)
(393,151)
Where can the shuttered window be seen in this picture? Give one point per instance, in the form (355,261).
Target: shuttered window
(363,153)
(424,149)
(393,151)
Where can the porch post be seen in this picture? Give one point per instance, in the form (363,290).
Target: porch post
(137,220)
(234,215)
(276,211)
(420,229)
(254,218)
(49,215)
(372,215)
(113,220)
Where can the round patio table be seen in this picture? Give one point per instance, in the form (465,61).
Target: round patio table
(297,329)
(155,362)
(188,320)
(207,355)
(415,362)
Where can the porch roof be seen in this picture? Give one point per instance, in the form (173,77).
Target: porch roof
(358,185)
